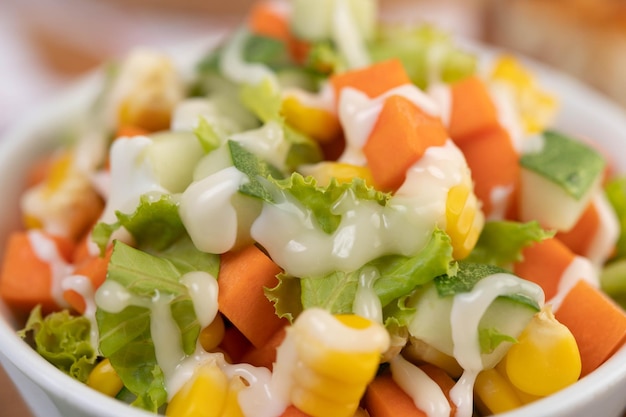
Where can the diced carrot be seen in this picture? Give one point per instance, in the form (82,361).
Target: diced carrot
(373,80)
(95,269)
(243,276)
(472,110)
(580,236)
(235,344)
(292,411)
(597,323)
(25,279)
(265,20)
(399,138)
(494,164)
(385,398)
(266,354)
(544,264)
(442,379)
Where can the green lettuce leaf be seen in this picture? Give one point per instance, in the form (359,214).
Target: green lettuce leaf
(320,200)
(490,338)
(398,277)
(255,169)
(63,340)
(414,46)
(155,224)
(125,336)
(501,242)
(286,297)
(265,102)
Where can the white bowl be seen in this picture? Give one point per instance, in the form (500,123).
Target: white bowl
(583,113)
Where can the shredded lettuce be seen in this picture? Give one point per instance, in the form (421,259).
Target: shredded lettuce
(501,242)
(265,102)
(320,200)
(429,54)
(155,224)
(63,340)
(125,336)
(335,292)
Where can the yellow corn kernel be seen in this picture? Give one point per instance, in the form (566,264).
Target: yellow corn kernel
(105,379)
(464,219)
(524,397)
(319,124)
(323,172)
(318,406)
(211,336)
(329,381)
(535,106)
(204,395)
(546,357)
(494,394)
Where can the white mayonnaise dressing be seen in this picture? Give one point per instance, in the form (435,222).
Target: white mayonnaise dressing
(207,211)
(46,250)
(82,285)
(113,297)
(131,176)
(176,366)
(579,269)
(367,230)
(234,67)
(500,198)
(358,114)
(168,348)
(426,394)
(324,99)
(267,142)
(467,310)
(366,302)
(440,93)
(203,290)
(604,239)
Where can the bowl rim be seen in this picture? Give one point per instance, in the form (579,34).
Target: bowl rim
(19,137)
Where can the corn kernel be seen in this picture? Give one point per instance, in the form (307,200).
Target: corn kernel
(204,395)
(328,379)
(211,336)
(494,393)
(464,219)
(536,107)
(342,172)
(546,357)
(319,124)
(105,379)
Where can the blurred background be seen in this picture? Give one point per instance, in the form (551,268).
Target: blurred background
(45,45)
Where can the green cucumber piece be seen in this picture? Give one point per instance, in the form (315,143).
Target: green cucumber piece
(558,181)
(501,324)
(572,165)
(173,157)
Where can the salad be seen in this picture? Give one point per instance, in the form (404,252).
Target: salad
(329,216)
